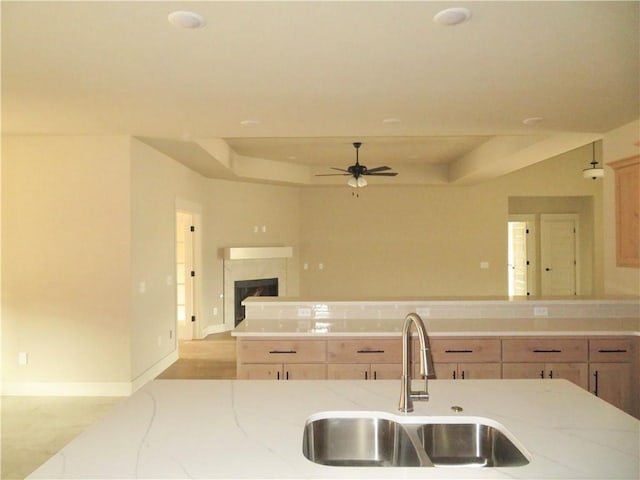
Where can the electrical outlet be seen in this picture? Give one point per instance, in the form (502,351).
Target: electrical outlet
(23,358)
(540,312)
(484,265)
(215,310)
(159,340)
(304,312)
(321,266)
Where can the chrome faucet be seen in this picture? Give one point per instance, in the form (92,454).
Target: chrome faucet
(426,366)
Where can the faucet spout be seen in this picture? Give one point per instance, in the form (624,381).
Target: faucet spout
(407,396)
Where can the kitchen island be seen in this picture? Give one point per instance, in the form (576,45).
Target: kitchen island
(254,429)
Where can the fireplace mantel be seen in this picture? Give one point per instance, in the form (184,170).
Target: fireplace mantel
(256,253)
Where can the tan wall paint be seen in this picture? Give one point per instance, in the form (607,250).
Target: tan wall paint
(426,241)
(229,211)
(65,259)
(618,144)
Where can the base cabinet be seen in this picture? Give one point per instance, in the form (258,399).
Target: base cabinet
(294,371)
(364,359)
(610,371)
(363,371)
(612,383)
(574,372)
(468,371)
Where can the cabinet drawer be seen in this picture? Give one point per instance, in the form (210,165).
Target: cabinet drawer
(611,350)
(282,351)
(372,350)
(544,350)
(465,350)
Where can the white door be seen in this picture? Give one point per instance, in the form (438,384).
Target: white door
(185,275)
(518,258)
(558,234)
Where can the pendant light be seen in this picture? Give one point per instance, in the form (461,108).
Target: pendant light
(595,171)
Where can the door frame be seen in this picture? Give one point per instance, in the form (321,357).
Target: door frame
(532,249)
(576,224)
(195,210)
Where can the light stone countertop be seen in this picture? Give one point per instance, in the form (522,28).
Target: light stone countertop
(255,328)
(253,429)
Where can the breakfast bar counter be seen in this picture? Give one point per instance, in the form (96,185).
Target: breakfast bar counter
(254,429)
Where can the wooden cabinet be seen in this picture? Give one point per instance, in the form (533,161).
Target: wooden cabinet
(546,357)
(281,359)
(627,189)
(367,358)
(610,368)
(466,358)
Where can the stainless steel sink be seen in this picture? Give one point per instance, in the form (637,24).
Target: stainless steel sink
(374,439)
(469,444)
(358,442)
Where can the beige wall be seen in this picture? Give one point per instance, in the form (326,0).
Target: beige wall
(65,259)
(85,220)
(228,210)
(618,144)
(427,241)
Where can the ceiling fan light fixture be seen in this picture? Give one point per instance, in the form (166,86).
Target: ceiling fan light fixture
(594,172)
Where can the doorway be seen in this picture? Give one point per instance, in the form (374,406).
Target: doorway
(185,276)
(521,254)
(559,237)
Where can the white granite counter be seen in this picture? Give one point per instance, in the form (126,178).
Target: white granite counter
(253,429)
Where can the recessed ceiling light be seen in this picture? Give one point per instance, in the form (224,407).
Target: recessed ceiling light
(185,19)
(533,121)
(391,121)
(249,123)
(452,16)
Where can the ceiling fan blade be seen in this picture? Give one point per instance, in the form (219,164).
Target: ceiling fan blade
(378,169)
(340,169)
(332,174)
(381,174)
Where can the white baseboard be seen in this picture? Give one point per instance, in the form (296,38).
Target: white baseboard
(87,389)
(211,329)
(154,371)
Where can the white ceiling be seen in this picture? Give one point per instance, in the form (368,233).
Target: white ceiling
(320,75)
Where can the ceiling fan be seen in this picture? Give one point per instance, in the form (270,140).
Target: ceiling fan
(358,171)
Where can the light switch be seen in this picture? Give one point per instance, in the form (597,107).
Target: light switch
(484,265)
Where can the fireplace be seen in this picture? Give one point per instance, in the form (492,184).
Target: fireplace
(263,287)
(252,264)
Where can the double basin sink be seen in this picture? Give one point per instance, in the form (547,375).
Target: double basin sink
(378,439)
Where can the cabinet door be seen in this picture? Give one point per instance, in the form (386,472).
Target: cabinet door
(365,350)
(386,371)
(446,371)
(305,371)
(574,372)
(467,371)
(545,350)
(448,350)
(266,371)
(522,370)
(348,371)
(612,383)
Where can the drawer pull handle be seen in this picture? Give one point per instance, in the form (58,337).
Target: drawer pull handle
(458,351)
(370,351)
(619,350)
(552,350)
(282,351)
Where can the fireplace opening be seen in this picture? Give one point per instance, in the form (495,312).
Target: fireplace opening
(263,287)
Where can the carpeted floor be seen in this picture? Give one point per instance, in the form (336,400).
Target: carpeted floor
(34,428)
